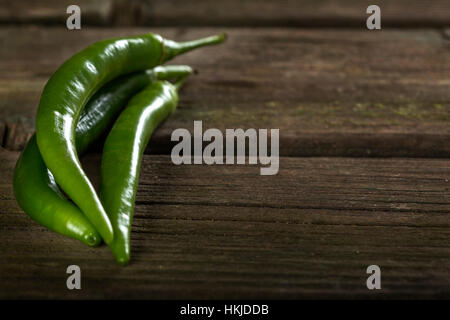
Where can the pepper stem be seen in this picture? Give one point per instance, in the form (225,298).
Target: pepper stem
(169,72)
(173,48)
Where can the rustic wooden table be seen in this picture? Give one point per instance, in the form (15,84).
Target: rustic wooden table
(364,178)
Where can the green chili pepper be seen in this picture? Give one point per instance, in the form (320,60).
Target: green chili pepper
(34,186)
(38,195)
(122,155)
(68,90)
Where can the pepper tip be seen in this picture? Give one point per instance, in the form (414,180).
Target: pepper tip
(92,239)
(123,261)
(224,36)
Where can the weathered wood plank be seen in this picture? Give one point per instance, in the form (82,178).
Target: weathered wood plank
(16,135)
(344,93)
(294,13)
(226,232)
(97,12)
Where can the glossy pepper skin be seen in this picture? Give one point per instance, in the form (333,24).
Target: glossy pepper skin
(122,155)
(104,107)
(66,94)
(38,195)
(34,186)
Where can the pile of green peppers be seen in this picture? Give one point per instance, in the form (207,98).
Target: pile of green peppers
(115,87)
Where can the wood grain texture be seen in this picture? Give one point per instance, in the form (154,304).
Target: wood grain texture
(227,232)
(16,135)
(254,13)
(287,13)
(331,93)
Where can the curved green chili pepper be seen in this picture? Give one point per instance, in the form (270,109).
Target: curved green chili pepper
(103,108)
(38,195)
(122,155)
(34,186)
(68,90)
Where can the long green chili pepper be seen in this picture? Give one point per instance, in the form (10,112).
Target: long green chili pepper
(38,195)
(68,90)
(34,186)
(122,154)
